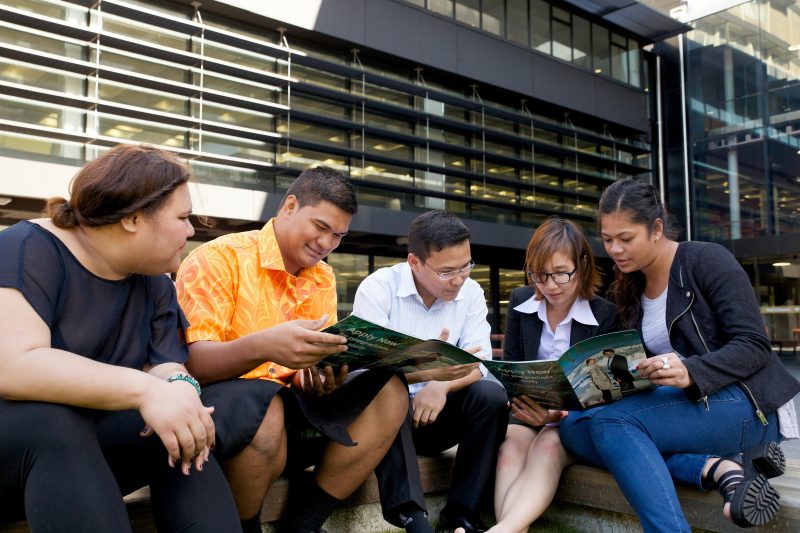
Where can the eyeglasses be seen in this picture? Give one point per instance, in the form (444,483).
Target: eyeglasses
(450,274)
(540,278)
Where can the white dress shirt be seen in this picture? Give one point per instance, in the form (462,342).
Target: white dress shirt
(554,343)
(389,297)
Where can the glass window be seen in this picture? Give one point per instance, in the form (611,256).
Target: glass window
(234,116)
(14,145)
(42,77)
(142,131)
(383,173)
(317,134)
(619,57)
(393,124)
(56,44)
(302,158)
(384,94)
(468,12)
(230,176)
(385,147)
(237,56)
(562,34)
(145,65)
(540,26)
(581,42)
(518,21)
(493,17)
(48,9)
(600,51)
(145,32)
(238,147)
(634,63)
(509,280)
(238,87)
(443,7)
(50,116)
(321,107)
(146,98)
(318,77)
(350,270)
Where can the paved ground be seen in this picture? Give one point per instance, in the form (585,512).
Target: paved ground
(792,447)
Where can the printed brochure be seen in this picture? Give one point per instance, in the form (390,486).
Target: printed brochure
(592,372)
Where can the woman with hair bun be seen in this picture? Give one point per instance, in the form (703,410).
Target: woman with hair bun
(95,400)
(725,399)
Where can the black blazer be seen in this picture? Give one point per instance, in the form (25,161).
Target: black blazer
(524,330)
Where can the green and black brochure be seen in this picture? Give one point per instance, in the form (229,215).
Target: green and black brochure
(370,346)
(592,372)
(577,379)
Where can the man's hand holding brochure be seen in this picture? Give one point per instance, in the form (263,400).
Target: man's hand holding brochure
(566,383)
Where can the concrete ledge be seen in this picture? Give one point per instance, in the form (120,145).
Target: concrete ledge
(593,489)
(588,499)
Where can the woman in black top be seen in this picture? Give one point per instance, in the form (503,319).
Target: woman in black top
(545,318)
(94,399)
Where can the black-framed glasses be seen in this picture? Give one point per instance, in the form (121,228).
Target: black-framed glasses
(562,278)
(450,274)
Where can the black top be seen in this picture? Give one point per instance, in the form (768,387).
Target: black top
(126,322)
(714,321)
(524,330)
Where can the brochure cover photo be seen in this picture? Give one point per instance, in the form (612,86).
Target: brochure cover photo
(595,371)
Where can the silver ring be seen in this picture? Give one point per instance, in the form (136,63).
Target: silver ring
(665,364)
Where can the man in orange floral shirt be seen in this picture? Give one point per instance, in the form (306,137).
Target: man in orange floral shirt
(255,301)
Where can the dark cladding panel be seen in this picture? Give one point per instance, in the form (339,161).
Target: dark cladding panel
(482,57)
(620,104)
(411,33)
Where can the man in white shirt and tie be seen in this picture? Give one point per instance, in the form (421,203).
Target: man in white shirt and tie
(432,296)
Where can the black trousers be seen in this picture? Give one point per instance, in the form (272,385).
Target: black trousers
(475,418)
(66,469)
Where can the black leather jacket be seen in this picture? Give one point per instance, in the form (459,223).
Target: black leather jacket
(714,321)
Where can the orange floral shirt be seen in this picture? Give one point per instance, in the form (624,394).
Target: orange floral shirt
(237,284)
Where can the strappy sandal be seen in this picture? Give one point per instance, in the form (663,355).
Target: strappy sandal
(754,502)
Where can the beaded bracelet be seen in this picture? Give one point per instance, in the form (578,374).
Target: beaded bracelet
(187,378)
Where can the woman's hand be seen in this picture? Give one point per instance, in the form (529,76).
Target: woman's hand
(174,412)
(666,369)
(524,409)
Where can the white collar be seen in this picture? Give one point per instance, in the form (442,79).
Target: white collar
(580,311)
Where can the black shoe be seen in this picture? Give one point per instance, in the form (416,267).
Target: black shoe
(450,523)
(753,500)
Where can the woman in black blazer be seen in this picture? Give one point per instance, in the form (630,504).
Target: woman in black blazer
(558,309)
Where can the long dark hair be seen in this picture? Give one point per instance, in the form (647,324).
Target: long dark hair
(641,203)
(120,182)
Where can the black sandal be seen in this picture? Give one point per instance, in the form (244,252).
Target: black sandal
(754,502)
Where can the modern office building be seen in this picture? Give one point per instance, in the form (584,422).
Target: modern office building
(503,111)
(733,171)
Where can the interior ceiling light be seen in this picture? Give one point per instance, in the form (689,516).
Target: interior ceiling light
(781,264)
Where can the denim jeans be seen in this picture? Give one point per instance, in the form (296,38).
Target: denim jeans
(647,439)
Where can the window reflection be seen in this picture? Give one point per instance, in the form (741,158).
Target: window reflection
(350,271)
